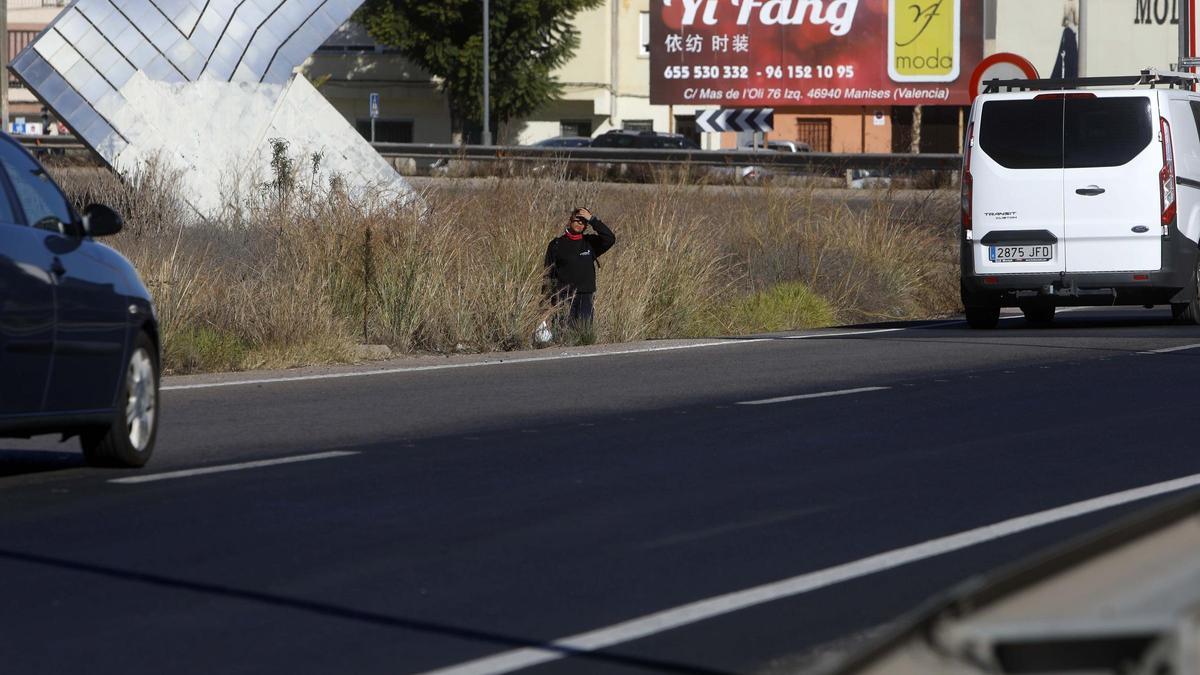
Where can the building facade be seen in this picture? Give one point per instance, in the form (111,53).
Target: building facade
(606,85)
(26,18)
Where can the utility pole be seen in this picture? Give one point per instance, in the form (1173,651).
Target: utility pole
(487,91)
(4,64)
(1185,35)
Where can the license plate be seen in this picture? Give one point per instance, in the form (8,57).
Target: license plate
(1021,253)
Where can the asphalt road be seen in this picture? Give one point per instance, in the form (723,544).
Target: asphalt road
(472,507)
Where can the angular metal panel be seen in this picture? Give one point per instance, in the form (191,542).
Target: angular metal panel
(203,83)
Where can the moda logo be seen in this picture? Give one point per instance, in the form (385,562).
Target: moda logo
(924,37)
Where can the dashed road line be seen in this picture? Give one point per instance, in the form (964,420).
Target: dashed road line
(683,615)
(225,468)
(823,394)
(1171,349)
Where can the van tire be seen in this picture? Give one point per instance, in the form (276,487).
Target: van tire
(1189,312)
(983,318)
(1038,313)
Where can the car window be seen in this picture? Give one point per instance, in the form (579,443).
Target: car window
(40,198)
(1024,134)
(613,141)
(1106,131)
(7,214)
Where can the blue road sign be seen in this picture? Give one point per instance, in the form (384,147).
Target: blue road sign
(374,105)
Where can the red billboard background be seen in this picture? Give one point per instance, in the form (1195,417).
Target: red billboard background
(836,54)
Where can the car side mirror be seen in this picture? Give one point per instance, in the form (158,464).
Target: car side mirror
(101,221)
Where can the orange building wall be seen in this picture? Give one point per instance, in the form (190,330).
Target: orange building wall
(846,128)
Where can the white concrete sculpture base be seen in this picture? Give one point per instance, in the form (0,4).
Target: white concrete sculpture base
(218,135)
(205,85)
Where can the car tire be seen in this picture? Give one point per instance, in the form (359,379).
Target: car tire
(129,441)
(1038,313)
(1189,312)
(983,318)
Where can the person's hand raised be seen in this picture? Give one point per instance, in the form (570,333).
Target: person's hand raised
(583,213)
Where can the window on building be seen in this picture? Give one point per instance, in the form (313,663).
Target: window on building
(638,125)
(817,133)
(989,19)
(575,128)
(644,34)
(386,131)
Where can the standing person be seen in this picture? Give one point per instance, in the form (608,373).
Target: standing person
(571,264)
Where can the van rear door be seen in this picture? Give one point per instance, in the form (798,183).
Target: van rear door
(1112,160)
(1017,171)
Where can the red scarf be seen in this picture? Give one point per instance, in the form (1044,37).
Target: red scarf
(572,236)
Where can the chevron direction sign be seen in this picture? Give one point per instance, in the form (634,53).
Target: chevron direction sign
(206,86)
(728,119)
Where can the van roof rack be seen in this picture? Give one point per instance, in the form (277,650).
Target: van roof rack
(1149,76)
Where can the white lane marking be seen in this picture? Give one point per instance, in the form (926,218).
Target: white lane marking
(1171,349)
(187,473)
(519,361)
(823,394)
(676,617)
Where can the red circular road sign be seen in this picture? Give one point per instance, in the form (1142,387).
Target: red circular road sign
(1003,66)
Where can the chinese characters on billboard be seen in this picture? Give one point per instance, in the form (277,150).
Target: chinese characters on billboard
(780,53)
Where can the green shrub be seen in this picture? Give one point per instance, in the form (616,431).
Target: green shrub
(786,306)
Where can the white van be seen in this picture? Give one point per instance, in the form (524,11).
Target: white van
(1078,193)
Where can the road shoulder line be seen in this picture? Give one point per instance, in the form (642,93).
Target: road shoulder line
(683,615)
(531,359)
(225,468)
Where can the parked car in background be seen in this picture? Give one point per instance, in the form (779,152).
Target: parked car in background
(79,341)
(564,142)
(781,146)
(866,178)
(644,140)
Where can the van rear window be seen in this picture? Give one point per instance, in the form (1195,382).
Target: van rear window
(1106,131)
(1099,132)
(1024,134)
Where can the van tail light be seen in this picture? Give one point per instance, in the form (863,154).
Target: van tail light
(968,183)
(1166,177)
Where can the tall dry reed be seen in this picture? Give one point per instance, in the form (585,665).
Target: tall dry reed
(298,273)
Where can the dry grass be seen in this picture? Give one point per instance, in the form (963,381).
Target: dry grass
(294,277)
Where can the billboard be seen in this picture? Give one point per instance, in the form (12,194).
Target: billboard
(780,53)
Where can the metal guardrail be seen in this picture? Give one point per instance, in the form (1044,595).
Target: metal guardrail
(799,161)
(794,161)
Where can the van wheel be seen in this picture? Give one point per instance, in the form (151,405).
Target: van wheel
(129,440)
(1189,312)
(1038,314)
(983,318)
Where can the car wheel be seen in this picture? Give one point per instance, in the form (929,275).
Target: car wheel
(129,440)
(983,317)
(1189,312)
(1038,313)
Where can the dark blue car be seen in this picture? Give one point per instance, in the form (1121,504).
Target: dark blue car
(79,345)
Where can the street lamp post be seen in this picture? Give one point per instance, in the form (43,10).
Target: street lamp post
(487,103)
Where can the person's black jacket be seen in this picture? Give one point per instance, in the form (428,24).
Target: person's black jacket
(571,264)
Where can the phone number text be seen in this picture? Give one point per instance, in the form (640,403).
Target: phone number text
(769,72)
